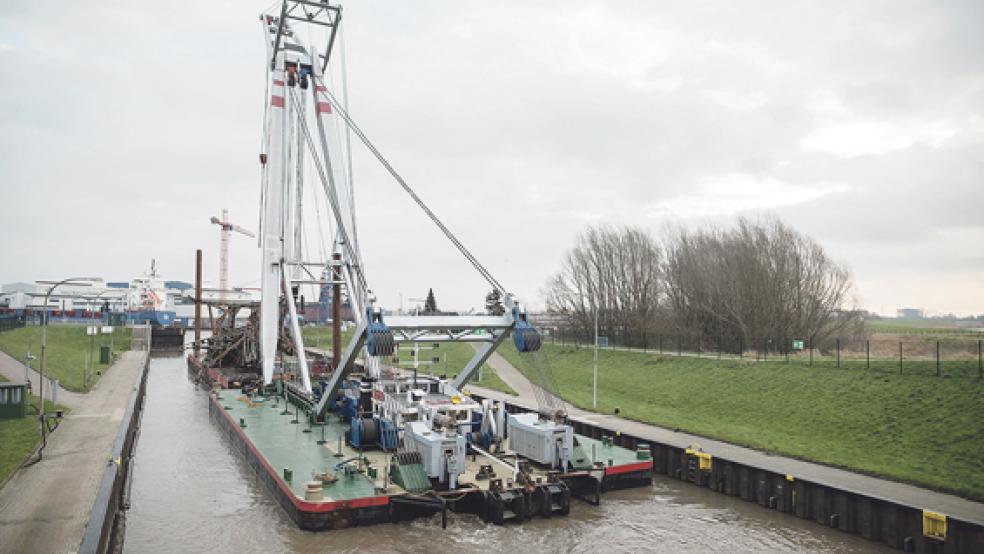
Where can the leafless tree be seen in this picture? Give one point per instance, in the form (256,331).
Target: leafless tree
(754,281)
(614,272)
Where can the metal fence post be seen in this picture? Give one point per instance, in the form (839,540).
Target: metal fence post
(741,347)
(980,366)
(867,354)
(937,358)
(679,345)
(659,340)
(838,353)
(811,351)
(900,357)
(698,346)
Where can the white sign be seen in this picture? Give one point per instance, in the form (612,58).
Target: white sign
(602,342)
(90,330)
(107,330)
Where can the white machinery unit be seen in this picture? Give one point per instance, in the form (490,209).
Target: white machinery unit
(442,452)
(543,441)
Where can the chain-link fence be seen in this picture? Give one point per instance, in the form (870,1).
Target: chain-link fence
(8,323)
(942,356)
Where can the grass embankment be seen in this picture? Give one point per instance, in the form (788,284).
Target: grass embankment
(319,336)
(453,357)
(67,348)
(919,429)
(923,327)
(19,437)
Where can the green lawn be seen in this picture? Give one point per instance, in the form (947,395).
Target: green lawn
(68,346)
(319,336)
(19,437)
(453,356)
(452,359)
(923,326)
(915,428)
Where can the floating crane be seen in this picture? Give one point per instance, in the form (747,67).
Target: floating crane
(424,433)
(305,120)
(225,228)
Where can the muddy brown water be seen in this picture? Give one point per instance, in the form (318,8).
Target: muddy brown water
(192,492)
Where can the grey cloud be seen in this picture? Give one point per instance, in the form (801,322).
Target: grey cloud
(517,130)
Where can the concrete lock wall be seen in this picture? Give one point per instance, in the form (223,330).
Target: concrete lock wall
(108,516)
(876,519)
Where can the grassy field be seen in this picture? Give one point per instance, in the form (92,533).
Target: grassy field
(68,346)
(453,357)
(319,336)
(19,437)
(913,428)
(923,327)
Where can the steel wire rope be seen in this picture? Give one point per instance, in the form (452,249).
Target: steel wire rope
(413,195)
(264,141)
(348,132)
(353,256)
(320,220)
(346,172)
(333,200)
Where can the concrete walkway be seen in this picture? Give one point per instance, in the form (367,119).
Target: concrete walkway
(900,493)
(511,376)
(45,507)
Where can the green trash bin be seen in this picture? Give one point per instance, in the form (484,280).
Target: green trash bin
(104,354)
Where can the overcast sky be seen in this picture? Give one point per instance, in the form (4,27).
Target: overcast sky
(126,125)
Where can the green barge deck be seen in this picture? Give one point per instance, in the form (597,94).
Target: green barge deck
(291,455)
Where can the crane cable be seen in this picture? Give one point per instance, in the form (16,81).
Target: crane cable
(348,134)
(379,156)
(333,200)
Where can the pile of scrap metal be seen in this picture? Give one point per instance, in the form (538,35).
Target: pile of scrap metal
(231,346)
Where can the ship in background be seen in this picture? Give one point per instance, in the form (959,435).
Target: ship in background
(148,300)
(148,303)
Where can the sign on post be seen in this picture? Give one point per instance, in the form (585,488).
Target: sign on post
(798,344)
(90,330)
(602,342)
(107,330)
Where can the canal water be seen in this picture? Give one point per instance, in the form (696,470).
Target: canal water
(192,493)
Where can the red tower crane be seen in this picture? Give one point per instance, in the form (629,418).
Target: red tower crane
(225,228)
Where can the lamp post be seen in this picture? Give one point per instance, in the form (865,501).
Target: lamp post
(27,369)
(91,362)
(77,281)
(594,397)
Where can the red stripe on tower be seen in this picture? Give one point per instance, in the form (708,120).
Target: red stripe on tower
(321,88)
(277,101)
(323,107)
(278,83)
